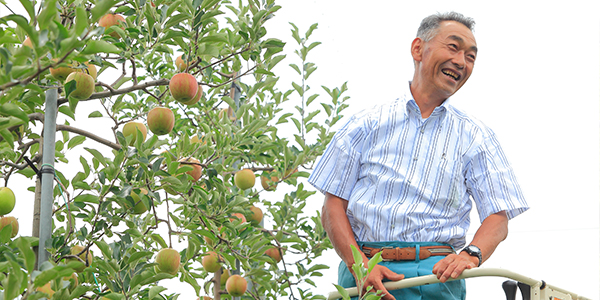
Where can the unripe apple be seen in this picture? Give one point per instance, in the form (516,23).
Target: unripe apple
(27,42)
(269,183)
(7,201)
(84,85)
(10,221)
(110,20)
(90,70)
(161,120)
(256,216)
(196,173)
(211,262)
(61,73)
(168,261)
(183,87)
(238,216)
(244,179)
(180,63)
(195,99)
(131,128)
(86,256)
(197,139)
(224,276)
(274,254)
(139,207)
(236,285)
(229,112)
(46,288)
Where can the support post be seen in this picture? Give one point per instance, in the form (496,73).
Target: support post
(47,174)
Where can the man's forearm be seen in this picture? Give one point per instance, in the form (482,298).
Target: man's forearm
(492,231)
(336,224)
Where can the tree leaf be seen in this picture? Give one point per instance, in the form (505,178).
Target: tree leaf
(100,46)
(81,20)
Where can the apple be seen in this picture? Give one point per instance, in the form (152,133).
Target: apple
(61,73)
(46,288)
(269,183)
(161,120)
(256,215)
(72,280)
(90,69)
(236,285)
(244,179)
(109,20)
(224,276)
(27,42)
(195,99)
(274,254)
(86,256)
(238,216)
(12,221)
(289,173)
(211,262)
(180,63)
(131,128)
(168,260)
(194,163)
(183,87)
(139,207)
(229,112)
(197,139)
(205,298)
(84,85)
(7,201)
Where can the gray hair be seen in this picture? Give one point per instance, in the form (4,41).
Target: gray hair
(428,28)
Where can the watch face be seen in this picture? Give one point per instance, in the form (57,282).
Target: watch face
(473,250)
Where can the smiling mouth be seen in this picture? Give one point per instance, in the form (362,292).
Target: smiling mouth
(451,74)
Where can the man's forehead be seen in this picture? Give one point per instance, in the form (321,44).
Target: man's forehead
(458,32)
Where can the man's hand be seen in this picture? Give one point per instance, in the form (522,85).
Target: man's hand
(453,265)
(376,277)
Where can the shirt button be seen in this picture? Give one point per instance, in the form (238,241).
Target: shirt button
(415,158)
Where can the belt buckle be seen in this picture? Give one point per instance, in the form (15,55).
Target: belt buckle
(386,259)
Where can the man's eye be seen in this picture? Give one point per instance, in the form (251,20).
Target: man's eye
(453,46)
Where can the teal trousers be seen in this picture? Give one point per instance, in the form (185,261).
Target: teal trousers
(453,290)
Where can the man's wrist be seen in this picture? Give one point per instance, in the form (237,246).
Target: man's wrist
(472,259)
(475,252)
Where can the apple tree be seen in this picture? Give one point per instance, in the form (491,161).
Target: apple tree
(179,156)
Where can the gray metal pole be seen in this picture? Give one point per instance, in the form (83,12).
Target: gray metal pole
(47,174)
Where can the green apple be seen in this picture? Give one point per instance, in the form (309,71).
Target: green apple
(244,179)
(168,260)
(84,85)
(131,128)
(7,201)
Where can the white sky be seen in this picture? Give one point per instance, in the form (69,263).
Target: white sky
(536,84)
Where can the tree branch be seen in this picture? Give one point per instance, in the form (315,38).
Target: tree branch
(89,135)
(126,90)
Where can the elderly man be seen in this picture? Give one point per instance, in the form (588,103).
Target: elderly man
(401,178)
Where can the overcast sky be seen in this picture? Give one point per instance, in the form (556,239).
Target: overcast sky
(535,83)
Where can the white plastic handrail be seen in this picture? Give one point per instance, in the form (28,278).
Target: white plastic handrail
(477,272)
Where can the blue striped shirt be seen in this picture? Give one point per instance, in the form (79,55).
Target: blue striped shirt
(412,179)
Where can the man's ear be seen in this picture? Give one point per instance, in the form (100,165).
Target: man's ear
(416,49)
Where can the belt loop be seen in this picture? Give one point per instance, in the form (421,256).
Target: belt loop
(417,253)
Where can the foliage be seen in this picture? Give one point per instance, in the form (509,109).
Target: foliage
(361,273)
(226,47)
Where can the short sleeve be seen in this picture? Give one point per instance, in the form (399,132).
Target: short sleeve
(491,181)
(338,168)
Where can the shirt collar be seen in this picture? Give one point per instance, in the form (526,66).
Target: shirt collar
(412,104)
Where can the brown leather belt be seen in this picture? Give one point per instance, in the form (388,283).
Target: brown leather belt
(408,253)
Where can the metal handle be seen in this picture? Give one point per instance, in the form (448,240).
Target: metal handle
(477,272)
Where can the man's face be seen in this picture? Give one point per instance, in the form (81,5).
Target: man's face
(447,60)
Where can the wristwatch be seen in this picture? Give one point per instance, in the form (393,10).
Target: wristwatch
(473,251)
